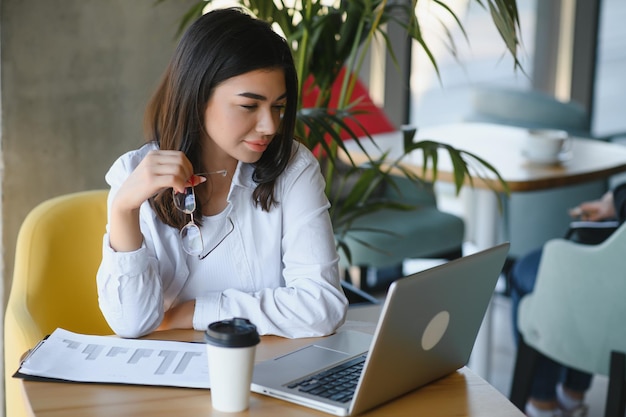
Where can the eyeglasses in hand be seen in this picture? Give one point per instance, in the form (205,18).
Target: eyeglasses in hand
(190,235)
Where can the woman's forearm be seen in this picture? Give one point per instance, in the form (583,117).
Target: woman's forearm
(124,231)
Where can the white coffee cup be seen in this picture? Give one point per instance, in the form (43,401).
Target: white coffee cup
(546,145)
(231,345)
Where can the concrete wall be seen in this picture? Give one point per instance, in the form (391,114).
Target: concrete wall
(76,75)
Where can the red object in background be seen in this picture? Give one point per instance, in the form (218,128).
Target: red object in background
(370,116)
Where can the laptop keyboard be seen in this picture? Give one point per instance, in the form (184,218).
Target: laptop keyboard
(337,383)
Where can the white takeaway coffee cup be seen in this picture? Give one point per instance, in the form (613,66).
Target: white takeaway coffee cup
(546,145)
(231,345)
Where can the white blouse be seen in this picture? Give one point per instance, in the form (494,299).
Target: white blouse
(278,268)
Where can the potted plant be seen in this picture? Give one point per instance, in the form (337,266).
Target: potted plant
(332,38)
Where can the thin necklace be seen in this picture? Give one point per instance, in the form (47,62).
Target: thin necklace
(232,228)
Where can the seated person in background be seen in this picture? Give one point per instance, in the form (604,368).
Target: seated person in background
(558,390)
(221,213)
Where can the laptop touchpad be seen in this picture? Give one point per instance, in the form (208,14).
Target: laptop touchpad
(309,359)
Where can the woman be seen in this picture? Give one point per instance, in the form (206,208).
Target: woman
(221,164)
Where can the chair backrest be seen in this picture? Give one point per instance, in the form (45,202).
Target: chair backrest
(529,109)
(367,113)
(576,311)
(59,249)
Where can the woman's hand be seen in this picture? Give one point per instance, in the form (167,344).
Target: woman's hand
(157,171)
(596,210)
(179,317)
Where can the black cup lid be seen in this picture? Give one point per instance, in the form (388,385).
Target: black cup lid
(236,332)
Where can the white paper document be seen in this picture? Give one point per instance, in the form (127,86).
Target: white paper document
(85,358)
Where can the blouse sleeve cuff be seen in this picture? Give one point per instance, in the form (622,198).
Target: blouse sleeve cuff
(206,311)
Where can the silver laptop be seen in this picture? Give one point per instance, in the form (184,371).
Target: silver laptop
(426,330)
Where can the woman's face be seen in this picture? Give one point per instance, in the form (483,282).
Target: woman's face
(243,115)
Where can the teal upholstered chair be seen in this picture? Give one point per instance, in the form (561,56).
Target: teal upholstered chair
(527,108)
(425,232)
(532,218)
(575,315)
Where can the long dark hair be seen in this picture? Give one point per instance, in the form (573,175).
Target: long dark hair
(221,44)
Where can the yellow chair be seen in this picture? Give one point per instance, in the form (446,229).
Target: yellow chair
(59,249)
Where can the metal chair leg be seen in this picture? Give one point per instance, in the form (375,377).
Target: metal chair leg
(616,394)
(525,362)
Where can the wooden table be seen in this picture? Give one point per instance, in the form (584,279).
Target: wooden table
(462,393)
(501,146)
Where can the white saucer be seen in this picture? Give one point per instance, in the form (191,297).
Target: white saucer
(549,160)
